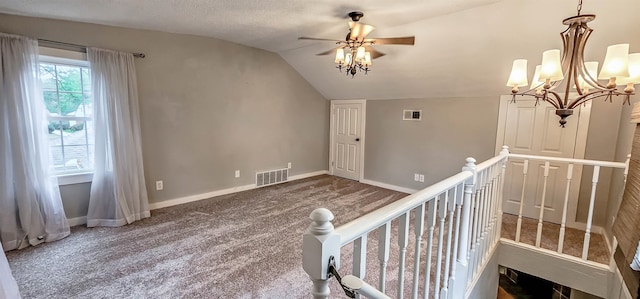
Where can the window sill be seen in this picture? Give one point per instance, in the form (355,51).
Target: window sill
(76,178)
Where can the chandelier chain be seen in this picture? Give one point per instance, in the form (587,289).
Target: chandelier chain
(579,6)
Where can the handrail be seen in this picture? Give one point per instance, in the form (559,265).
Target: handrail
(484,165)
(356,228)
(570,160)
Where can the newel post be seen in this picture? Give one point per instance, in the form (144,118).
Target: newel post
(319,243)
(459,284)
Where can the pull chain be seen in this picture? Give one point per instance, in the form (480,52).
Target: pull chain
(579,6)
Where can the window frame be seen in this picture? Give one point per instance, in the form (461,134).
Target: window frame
(76,59)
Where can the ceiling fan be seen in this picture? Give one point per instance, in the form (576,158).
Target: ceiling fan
(356,51)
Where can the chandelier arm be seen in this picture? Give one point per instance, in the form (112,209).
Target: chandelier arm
(589,97)
(586,76)
(594,95)
(558,101)
(570,69)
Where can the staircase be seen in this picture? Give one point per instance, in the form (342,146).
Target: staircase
(447,240)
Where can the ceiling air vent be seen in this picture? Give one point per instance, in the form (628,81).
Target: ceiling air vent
(411,114)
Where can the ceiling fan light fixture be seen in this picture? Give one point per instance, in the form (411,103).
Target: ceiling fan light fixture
(339,56)
(367,59)
(355,53)
(360,54)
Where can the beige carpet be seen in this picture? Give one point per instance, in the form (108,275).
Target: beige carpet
(243,245)
(573,238)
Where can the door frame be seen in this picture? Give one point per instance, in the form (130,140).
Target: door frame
(363,123)
(578,153)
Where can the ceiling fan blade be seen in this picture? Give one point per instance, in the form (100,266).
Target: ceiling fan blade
(320,39)
(407,40)
(328,51)
(374,53)
(365,30)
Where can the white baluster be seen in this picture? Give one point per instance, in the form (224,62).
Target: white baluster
(459,197)
(587,233)
(383,252)
(626,168)
(544,194)
(360,258)
(319,243)
(564,208)
(447,259)
(403,237)
(418,230)
(474,236)
(442,214)
(525,169)
(431,222)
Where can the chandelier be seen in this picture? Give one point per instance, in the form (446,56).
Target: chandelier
(353,57)
(619,67)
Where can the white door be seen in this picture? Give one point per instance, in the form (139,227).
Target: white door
(533,129)
(347,138)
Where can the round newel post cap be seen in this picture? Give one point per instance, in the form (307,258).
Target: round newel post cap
(321,215)
(471,162)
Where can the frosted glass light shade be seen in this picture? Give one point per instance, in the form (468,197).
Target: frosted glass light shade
(347,59)
(340,55)
(634,71)
(360,54)
(536,83)
(592,70)
(367,59)
(551,66)
(616,62)
(518,75)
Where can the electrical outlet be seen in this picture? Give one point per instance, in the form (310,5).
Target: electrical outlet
(289,165)
(416,177)
(422,178)
(237,173)
(159,186)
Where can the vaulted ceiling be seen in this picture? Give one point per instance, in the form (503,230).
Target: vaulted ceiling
(464,48)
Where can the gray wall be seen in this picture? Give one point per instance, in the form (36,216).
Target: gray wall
(601,145)
(622,149)
(455,128)
(451,130)
(208,107)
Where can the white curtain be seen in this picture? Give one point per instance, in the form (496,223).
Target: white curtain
(31,210)
(8,285)
(118,191)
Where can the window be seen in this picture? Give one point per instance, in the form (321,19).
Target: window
(67,97)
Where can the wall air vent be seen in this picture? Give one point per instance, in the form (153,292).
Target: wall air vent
(412,115)
(272,177)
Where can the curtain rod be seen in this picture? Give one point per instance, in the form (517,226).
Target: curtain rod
(73,47)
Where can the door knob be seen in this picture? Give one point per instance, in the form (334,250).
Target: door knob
(357,139)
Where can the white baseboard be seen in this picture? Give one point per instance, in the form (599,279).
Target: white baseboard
(308,175)
(583,227)
(389,186)
(196,197)
(77,221)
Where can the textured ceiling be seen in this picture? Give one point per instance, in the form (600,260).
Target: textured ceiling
(463,48)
